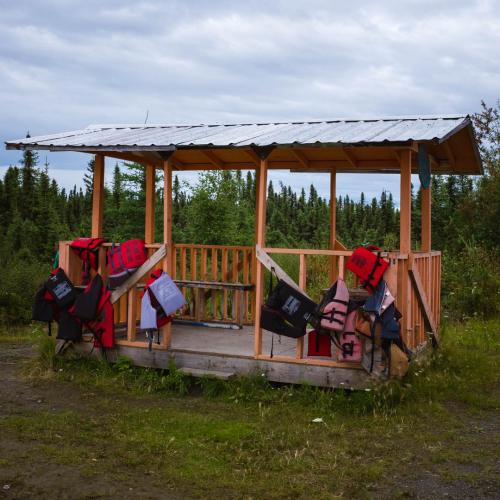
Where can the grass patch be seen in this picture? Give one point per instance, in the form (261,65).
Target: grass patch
(249,438)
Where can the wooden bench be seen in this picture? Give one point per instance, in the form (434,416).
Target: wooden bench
(238,290)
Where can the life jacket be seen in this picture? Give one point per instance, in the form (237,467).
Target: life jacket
(367,266)
(350,344)
(124,260)
(60,288)
(319,344)
(161,298)
(88,251)
(333,308)
(286,310)
(53,301)
(103,325)
(43,308)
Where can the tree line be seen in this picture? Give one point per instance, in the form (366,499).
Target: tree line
(35,213)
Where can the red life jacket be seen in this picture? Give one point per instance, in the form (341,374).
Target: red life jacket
(124,259)
(318,344)
(88,250)
(161,318)
(367,266)
(103,327)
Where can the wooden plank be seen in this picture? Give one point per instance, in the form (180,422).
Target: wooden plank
(145,268)
(150,192)
(425,210)
(307,251)
(333,222)
(168,263)
(405,203)
(260,238)
(214,271)
(193,266)
(299,350)
(223,273)
(235,266)
(132,314)
(274,370)
(98,197)
(270,264)
(246,276)
(424,305)
(197,372)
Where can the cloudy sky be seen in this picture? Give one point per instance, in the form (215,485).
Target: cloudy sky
(64,65)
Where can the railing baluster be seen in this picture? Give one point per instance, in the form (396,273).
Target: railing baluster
(224,278)
(299,350)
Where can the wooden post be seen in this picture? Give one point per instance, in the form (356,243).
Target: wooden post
(260,238)
(333,222)
(299,350)
(149,229)
(404,295)
(405,203)
(167,235)
(98,197)
(425,210)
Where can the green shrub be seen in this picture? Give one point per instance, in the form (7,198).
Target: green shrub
(471,283)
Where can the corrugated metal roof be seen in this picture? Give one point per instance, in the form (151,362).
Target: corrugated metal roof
(169,137)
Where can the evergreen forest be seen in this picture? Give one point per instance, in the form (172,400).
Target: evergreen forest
(35,213)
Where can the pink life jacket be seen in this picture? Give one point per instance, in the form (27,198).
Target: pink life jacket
(335,311)
(350,345)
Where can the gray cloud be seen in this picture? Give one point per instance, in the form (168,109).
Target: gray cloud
(65,64)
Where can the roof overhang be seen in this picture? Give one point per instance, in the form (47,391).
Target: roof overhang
(347,145)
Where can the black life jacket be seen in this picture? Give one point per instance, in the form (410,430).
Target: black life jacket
(286,310)
(60,288)
(43,308)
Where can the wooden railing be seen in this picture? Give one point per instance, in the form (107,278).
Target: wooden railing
(226,264)
(415,280)
(215,263)
(424,269)
(333,269)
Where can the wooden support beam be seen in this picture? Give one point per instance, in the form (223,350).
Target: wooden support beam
(98,197)
(425,210)
(269,263)
(253,155)
(167,236)
(405,203)
(424,304)
(213,159)
(150,191)
(260,237)
(301,158)
(349,155)
(333,221)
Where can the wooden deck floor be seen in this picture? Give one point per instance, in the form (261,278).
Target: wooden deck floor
(231,352)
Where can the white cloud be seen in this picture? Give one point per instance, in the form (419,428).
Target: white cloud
(65,64)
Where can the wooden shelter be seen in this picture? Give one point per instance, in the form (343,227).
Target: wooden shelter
(224,284)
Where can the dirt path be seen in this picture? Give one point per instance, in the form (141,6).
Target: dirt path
(24,473)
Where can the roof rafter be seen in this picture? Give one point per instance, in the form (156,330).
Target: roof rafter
(349,155)
(213,158)
(301,157)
